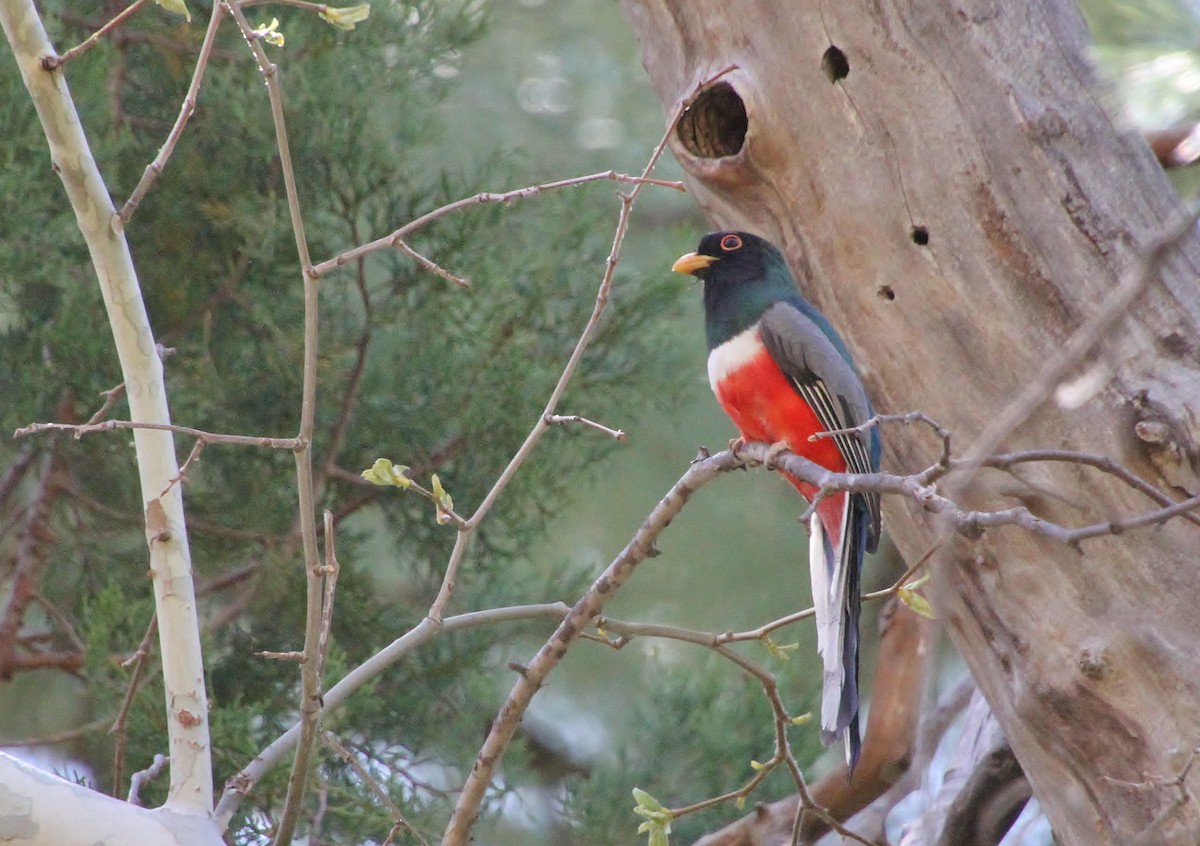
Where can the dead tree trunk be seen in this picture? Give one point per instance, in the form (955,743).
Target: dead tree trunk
(948,186)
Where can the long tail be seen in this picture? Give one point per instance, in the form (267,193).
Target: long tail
(835,569)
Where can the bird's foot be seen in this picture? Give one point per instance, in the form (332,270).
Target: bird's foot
(774,452)
(735,446)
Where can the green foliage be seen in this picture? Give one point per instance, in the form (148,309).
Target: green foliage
(908,594)
(657,826)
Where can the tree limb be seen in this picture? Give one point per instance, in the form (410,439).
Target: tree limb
(142,373)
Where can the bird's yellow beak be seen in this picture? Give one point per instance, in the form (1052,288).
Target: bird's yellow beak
(692,262)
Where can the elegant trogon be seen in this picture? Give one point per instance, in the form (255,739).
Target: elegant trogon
(783,374)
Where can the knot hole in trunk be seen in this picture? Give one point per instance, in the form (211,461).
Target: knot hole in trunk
(715,125)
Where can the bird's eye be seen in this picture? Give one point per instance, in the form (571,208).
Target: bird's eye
(730,243)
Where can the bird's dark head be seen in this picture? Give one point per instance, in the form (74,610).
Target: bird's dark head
(743,275)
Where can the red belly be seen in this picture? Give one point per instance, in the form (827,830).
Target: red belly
(765,407)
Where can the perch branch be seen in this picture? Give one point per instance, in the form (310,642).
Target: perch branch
(588,607)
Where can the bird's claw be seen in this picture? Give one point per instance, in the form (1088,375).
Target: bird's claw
(735,446)
(774,452)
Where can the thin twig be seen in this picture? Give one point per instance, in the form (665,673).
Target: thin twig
(391,241)
(1035,391)
(192,458)
(449,580)
(967,523)
(1103,463)
(310,682)
(111,396)
(297,657)
(81,429)
(241,782)
(331,570)
(372,784)
(138,660)
(907,419)
(143,777)
(562,419)
(51,63)
(186,110)
(430,265)
(1178,782)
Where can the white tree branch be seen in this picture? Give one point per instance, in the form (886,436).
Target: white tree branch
(142,372)
(40,809)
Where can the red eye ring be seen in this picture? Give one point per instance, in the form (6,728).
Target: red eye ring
(730,243)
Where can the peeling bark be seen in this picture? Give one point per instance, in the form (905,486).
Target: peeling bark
(951,193)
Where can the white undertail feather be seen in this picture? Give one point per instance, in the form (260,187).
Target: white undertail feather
(820,584)
(827,568)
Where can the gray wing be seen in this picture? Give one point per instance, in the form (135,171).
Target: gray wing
(827,382)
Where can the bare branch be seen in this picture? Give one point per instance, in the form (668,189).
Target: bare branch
(1115,305)
(561,419)
(589,606)
(241,782)
(28,559)
(186,110)
(192,458)
(51,63)
(331,570)
(298,657)
(372,784)
(1103,463)
(430,265)
(111,396)
(967,523)
(907,419)
(144,777)
(393,240)
(310,681)
(138,660)
(81,429)
(1179,782)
